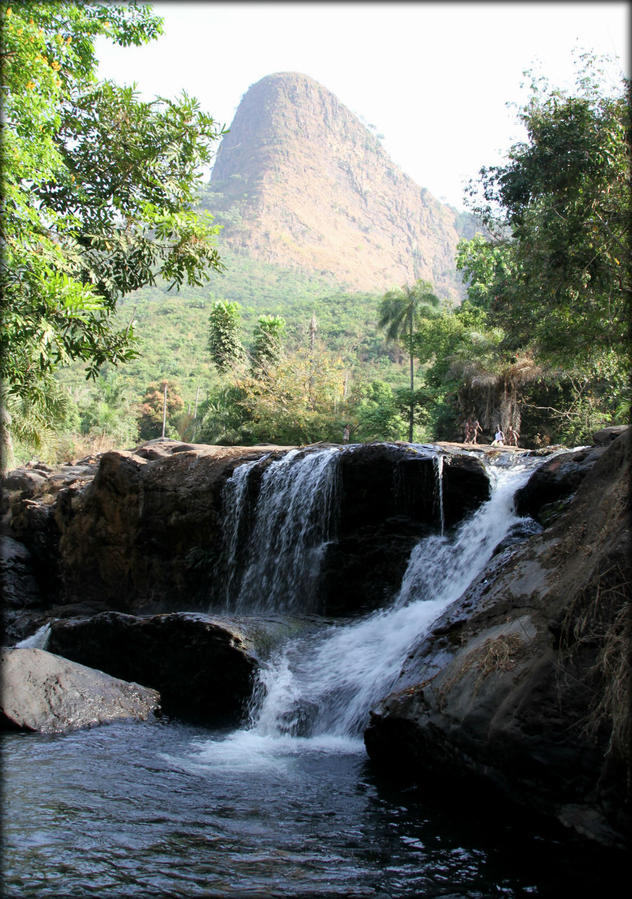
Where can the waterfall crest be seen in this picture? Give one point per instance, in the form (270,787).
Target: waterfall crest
(273,553)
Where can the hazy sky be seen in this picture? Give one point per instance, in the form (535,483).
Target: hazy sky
(434,78)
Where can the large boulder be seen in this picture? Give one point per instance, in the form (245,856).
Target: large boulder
(551,487)
(43,692)
(391,496)
(524,685)
(20,591)
(139,531)
(203,668)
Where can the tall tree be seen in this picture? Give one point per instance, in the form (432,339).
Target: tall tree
(561,206)
(98,190)
(267,343)
(400,312)
(557,274)
(223,336)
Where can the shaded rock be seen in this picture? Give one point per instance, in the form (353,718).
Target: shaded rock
(390,497)
(607,435)
(21,597)
(202,668)
(142,531)
(524,685)
(43,692)
(551,487)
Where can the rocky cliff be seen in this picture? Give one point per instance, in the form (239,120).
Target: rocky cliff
(307,185)
(522,687)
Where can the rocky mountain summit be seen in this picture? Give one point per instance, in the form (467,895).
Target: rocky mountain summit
(299,181)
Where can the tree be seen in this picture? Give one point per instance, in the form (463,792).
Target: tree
(224,343)
(556,276)
(400,312)
(152,408)
(98,191)
(563,201)
(267,343)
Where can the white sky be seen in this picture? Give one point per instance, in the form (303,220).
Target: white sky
(434,78)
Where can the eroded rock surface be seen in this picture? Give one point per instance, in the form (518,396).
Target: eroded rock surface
(43,692)
(143,531)
(524,684)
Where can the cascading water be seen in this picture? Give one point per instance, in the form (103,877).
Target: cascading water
(287,805)
(322,685)
(282,546)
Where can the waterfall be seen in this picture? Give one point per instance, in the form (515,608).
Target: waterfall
(438,464)
(326,683)
(273,553)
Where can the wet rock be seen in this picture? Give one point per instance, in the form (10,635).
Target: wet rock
(21,595)
(391,496)
(43,692)
(524,685)
(202,668)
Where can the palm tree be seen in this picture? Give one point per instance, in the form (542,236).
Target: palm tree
(400,311)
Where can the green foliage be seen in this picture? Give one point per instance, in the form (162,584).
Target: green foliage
(400,314)
(224,343)
(376,413)
(564,197)
(97,191)
(110,412)
(267,343)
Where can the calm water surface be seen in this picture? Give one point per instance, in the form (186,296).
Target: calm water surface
(166,809)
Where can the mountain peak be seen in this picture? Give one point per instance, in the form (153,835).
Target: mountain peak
(303,183)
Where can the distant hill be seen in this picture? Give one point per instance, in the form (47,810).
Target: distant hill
(301,183)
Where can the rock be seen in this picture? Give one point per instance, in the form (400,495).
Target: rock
(551,487)
(43,692)
(315,190)
(389,499)
(607,435)
(142,531)
(21,595)
(524,685)
(202,668)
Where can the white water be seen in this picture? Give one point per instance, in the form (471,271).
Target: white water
(294,519)
(38,640)
(316,693)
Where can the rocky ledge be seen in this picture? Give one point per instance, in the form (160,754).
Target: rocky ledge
(141,532)
(523,686)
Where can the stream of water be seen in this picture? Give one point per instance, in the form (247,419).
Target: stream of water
(288,805)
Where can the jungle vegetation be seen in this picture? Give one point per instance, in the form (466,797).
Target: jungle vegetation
(113,268)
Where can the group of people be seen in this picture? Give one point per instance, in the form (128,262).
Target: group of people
(473,429)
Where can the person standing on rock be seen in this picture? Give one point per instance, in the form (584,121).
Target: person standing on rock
(512,436)
(476,428)
(346,434)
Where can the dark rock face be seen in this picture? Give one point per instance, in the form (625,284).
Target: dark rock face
(20,592)
(142,531)
(390,498)
(203,670)
(43,692)
(524,684)
(550,488)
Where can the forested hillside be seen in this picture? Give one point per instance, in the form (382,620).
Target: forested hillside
(116,266)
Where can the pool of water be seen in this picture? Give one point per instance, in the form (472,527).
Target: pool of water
(167,809)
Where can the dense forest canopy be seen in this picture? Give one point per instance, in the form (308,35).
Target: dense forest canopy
(103,213)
